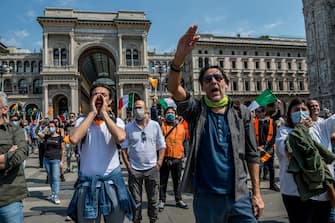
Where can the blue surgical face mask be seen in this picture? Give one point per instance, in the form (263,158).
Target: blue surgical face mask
(15,123)
(298,115)
(170,117)
(52,130)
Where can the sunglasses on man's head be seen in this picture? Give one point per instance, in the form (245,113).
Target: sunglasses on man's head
(208,78)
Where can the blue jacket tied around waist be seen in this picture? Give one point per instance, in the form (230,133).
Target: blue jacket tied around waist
(91,205)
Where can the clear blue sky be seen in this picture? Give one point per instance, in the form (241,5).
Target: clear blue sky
(170,18)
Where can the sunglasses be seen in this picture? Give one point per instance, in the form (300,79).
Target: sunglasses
(143,137)
(208,78)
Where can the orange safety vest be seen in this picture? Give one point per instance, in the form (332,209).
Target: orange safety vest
(174,141)
(270,132)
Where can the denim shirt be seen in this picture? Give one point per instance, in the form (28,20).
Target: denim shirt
(126,201)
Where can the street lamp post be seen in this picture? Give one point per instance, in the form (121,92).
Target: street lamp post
(161,68)
(4,68)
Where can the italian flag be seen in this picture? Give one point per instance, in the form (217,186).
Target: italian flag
(167,102)
(123,102)
(267,97)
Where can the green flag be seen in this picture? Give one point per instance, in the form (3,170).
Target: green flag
(130,100)
(163,103)
(267,97)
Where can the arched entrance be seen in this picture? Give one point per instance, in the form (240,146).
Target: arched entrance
(31,111)
(60,105)
(95,63)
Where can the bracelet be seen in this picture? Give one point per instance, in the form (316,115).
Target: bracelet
(175,68)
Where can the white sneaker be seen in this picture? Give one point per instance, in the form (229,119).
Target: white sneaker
(161,205)
(50,197)
(56,200)
(68,218)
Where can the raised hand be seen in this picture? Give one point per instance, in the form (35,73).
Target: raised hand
(186,44)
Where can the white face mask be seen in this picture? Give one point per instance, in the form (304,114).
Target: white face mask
(139,114)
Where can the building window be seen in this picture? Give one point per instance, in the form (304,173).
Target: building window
(235,86)
(7,85)
(221,63)
(19,67)
(128,57)
(288,55)
(268,65)
(199,51)
(37,86)
(220,52)
(23,86)
(63,57)
(200,62)
(298,55)
(299,66)
(267,54)
(258,86)
(279,65)
(245,53)
(301,85)
(269,84)
(281,85)
(233,64)
(278,54)
(206,62)
(26,67)
(291,85)
(257,65)
(232,52)
(289,66)
(246,85)
(245,63)
(40,66)
(34,67)
(56,57)
(256,53)
(206,52)
(136,58)
(12,64)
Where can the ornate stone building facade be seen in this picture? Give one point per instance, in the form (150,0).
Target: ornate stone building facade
(320,32)
(80,47)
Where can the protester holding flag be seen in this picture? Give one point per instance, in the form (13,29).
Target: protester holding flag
(223,145)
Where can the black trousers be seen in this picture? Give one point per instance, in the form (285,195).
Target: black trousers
(174,166)
(309,211)
(41,153)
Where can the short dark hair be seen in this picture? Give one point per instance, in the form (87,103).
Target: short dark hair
(203,71)
(170,107)
(95,85)
(294,102)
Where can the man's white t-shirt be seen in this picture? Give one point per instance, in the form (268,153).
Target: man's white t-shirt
(99,154)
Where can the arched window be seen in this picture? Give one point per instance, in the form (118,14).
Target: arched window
(12,65)
(37,86)
(128,57)
(26,66)
(63,57)
(56,57)
(200,62)
(19,68)
(206,62)
(135,58)
(23,86)
(39,66)
(34,67)
(7,85)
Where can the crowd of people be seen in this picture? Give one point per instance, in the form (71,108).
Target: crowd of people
(223,144)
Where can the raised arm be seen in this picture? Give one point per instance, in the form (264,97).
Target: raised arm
(185,46)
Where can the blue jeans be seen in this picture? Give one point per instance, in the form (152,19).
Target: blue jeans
(52,168)
(12,213)
(215,208)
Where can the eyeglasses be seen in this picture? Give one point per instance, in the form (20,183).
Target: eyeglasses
(143,137)
(208,78)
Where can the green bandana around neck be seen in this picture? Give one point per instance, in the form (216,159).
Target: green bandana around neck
(223,102)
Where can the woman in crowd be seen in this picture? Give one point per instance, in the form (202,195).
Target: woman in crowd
(53,157)
(317,208)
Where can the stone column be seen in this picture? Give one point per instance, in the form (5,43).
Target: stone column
(144,50)
(46,49)
(46,99)
(74,98)
(120,49)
